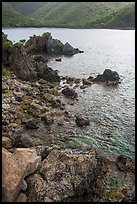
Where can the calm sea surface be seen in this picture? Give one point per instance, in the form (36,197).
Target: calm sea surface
(111,109)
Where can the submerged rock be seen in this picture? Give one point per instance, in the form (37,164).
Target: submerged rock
(90,78)
(86,82)
(82,121)
(58,60)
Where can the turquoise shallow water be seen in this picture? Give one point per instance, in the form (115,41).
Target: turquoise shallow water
(111,109)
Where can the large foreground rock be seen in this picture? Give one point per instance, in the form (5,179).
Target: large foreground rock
(87,177)
(63,176)
(15,167)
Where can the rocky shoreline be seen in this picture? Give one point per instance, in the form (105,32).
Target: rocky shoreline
(35,122)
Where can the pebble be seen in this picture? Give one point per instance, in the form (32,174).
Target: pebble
(5,106)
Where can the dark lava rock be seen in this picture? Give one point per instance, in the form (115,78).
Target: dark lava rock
(56,103)
(18,98)
(18,89)
(31,124)
(49,74)
(90,78)
(81,51)
(86,82)
(69,93)
(107,75)
(82,121)
(83,86)
(58,60)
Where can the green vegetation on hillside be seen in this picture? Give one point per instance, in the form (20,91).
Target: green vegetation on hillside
(12,18)
(123,19)
(70,14)
(26,8)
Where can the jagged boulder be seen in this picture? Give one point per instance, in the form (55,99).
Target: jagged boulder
(37,44)
(54,46)
(46,44)
(15,57)
(21,64)
(107,75)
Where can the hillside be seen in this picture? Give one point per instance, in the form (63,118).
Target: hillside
(71,14)
(12,18)
(74,14)
(123,18)
(26,8)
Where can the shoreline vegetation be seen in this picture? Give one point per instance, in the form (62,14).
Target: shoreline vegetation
(68,28)
(35,124)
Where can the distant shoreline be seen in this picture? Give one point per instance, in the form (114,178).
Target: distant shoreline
(68,28)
